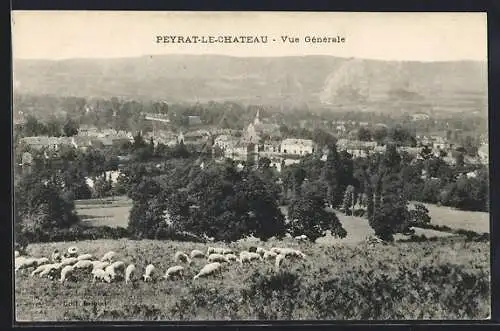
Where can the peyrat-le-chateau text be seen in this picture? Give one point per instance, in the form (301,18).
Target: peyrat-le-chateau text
(228,39)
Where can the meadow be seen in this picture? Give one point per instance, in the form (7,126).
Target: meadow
(111,212)
(444,279)
(476,221)
(114,212)
(447,277)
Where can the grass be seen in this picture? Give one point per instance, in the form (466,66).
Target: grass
(459,219)
(445,279)
(114,212)
(111,212)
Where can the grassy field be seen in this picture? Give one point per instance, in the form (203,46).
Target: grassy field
(104,212)
(446,279)
(114,212)
(458,219)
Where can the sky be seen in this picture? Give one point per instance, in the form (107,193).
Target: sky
(384,36)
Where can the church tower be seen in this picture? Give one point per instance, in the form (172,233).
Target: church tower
(257,118)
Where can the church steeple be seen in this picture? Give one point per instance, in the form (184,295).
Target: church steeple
(257,118)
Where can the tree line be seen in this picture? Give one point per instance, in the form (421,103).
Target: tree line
(178,189)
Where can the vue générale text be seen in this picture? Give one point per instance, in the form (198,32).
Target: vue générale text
(233,39)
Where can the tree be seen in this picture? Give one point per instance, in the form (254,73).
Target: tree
(54,127)
(392,215)
(364,134)
(230,205)
(426,152)
(388,208)
(332,177)
(380,134)
(39,206)
(103,187)
(419,215)
(309,217)
(180,151)
(349,200)
(75,184)
(70,127)
(322,139)
(298,177)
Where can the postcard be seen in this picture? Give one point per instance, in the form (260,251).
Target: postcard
(237,166)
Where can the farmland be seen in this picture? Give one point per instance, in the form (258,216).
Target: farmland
(445,279)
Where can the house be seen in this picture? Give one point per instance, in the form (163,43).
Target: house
(297,146)
(356,148)
(270,148)
(225,141)
(420,117)
(194,120)
(483,153)
(239,151)
(82,142)
(413,151)
(379,149)
(50,143)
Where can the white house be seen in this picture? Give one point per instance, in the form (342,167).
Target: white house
(225,142)
(297,146)
(483,153)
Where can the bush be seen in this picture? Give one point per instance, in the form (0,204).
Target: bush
(272,296)
(166,232)
(419,216)
(76,233)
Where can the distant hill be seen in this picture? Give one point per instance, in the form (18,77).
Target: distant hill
(315,80)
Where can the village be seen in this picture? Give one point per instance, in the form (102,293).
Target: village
(261,138)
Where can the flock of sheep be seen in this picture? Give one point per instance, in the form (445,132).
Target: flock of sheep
(108,268)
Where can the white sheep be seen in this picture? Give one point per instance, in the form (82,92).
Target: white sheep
(56,256)
(149,272)
(101,275)
(66,273)
(197,254)
(246,256)
(113,269)
(215,250)
(182,257)
(226,251)
(24,263)
(217,258)
(209,269)
(231,257)
(174,271)
(83,264)
(42,261)
(292,252)
(50,270)
(40,269)
(68,261)
(268,255)
(100,264)
(260,251)
(108,257)
(279,260)
(128,273)
(84,257)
